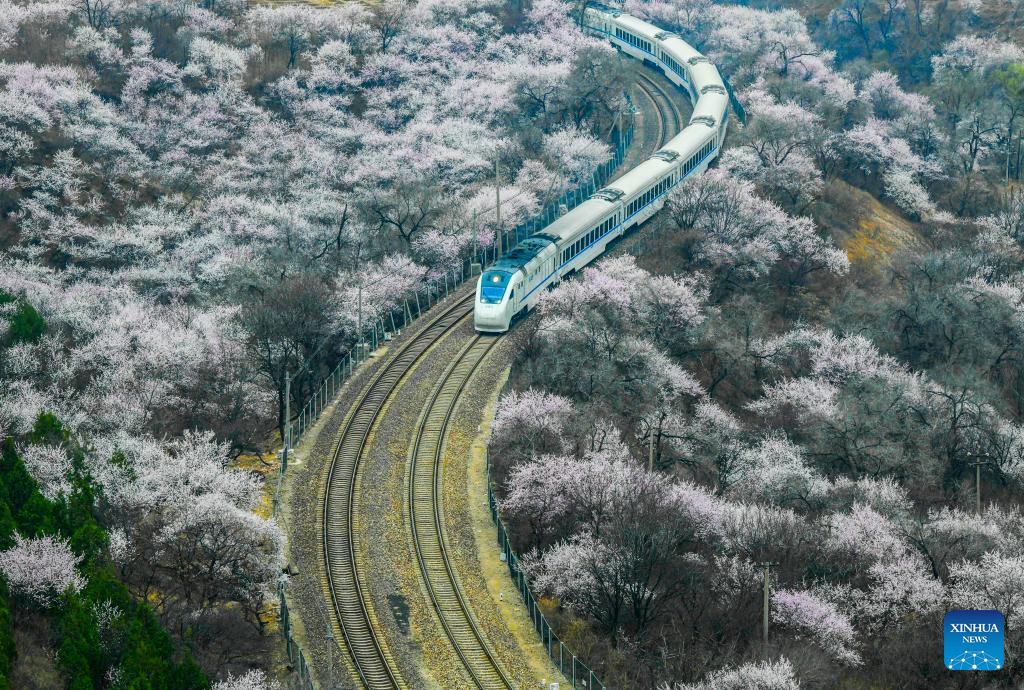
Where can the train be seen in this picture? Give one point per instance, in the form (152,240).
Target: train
(512,285)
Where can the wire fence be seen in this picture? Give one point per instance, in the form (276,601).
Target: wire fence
(571,666)
(295,656)
(736,105)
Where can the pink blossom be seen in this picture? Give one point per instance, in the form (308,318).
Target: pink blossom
(900,587)
(967,53)
(818,620)
(49,466)
(996,581)
(748,234)
(375,289)
(255,679)
(810,398)
(575,152)
(864,533)
(531,412)
(774,469)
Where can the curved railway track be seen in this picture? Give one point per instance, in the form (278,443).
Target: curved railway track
(354,615)
(427,520)
(670,119)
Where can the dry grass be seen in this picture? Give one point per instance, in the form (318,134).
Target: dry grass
(868,230)
(265,465)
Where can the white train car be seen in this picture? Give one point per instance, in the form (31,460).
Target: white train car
(513,284)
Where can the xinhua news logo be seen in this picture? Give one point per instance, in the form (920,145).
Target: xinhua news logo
(974,640)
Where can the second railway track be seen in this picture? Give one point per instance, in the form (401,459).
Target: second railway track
(369,654)
(427,521)
(670,118)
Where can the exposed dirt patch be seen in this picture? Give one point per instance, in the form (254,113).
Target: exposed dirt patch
(868,230)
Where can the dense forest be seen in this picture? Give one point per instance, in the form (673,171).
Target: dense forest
(196,200)
(801,369)
(813,352)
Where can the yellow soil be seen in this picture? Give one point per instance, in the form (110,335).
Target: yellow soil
(869,231)
(266,465)
(880,232)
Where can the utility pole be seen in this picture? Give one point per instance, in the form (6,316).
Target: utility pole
(287,420)
(650,451)
(285,440)
(977,483)
(1009,145)
(330,658)
(497,197)
(766,571)
(475,265)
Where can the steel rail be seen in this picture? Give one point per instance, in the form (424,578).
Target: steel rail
(657,94)
(373,662)
(426,519)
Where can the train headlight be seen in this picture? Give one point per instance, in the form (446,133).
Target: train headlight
(496,278)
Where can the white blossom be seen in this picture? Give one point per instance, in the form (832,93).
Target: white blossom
(41,569)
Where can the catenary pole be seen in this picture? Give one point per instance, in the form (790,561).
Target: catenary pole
(287,420)
(766,570)
(497,199)
(650,451)
(977,486)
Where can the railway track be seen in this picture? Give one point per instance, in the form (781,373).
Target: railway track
(670,119)
(427,521)
(354,615)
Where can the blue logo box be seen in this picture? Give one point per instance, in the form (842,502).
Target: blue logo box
(974,640)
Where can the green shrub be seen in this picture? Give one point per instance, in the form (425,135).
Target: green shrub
(133,641)
(26,324)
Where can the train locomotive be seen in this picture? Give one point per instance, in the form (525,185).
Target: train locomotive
(512,285)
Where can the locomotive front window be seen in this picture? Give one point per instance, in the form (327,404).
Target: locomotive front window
(493,287)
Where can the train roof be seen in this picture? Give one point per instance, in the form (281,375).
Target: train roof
(678,48)
(641,176)
(522,253)
(572,222)
(638,27)
(710,105)
(704,74)
(687,142)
